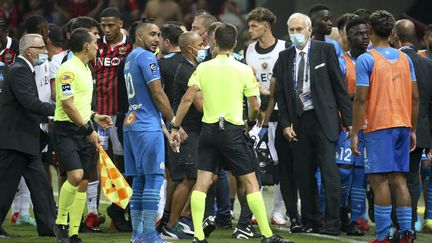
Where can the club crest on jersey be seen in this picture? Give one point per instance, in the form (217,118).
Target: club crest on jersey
(122,50)
(67,78)
(8,57)
(264,65)
(153,68)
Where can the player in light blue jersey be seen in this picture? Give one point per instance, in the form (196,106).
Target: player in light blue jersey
(143,137)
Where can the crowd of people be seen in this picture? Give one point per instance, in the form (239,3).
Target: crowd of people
(340,126)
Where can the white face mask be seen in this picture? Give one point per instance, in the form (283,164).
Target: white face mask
(201,55)
(40,59)
(298,39)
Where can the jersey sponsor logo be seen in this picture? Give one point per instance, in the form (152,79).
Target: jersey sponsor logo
(265,77)
(130,119)
(67,78)
(135,107)
(67,90)
(153,68)
(108,62)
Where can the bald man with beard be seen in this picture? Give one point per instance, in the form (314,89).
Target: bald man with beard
(403,38)
(182,165)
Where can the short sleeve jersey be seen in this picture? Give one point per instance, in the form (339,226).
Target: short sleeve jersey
(224,82)
(365,64)
(141,69)
(339,51)
(388,75)
(74,79)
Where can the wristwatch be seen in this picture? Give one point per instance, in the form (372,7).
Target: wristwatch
(85,129)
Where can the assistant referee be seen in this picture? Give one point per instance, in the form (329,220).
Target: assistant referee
(74,137)
(223,82)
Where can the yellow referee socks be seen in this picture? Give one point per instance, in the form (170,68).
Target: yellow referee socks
(67,196)
(198,207)
(75,212)
(256,205)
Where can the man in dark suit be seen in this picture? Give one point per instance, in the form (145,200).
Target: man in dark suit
(311,93)
(403,38)
(20,111)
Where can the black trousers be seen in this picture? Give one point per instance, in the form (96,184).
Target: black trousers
(285,170)
(13,165)
(314,149)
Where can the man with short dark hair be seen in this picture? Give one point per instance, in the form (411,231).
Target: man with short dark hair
(222,140)
(168,63)
(261,55)
(142,129)
(112,48)
(168,46)
(341,23)
(74,135)
(351,168)
(322,25)
(37,24)
(386,88)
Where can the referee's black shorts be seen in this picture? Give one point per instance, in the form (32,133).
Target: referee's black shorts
(73,150)
(225,149)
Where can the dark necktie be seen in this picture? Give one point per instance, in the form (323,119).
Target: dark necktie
(300,73)
(300,79)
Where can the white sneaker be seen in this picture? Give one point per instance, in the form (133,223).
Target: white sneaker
(278,219)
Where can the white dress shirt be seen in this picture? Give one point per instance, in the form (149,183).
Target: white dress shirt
(306,75)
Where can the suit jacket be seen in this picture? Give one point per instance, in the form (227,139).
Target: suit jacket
(423,71)
(328,91)
(20,109)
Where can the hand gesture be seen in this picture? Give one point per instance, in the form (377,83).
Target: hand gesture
(183,134)
(290,134)
(103,121)
(175,140)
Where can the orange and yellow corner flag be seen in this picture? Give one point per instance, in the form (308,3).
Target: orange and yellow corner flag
(114,185)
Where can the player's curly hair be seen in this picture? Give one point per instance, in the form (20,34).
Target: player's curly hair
(382,22)
(262,14)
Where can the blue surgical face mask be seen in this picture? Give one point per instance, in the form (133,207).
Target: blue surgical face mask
(42,57)
(201,55)
(298,39)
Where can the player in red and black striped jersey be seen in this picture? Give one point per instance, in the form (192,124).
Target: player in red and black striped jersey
(112,48)
(8,47)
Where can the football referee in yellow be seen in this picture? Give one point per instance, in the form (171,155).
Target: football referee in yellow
(224,82)
(74,137)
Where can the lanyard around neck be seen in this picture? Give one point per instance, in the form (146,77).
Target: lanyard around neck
(307,66)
